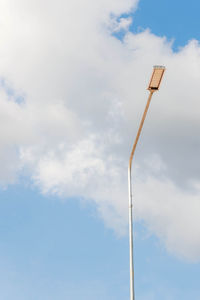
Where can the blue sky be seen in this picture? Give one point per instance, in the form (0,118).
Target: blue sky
(175,19)
(53,249)
(56,241)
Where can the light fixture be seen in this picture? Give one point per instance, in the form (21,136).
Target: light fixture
(156,78)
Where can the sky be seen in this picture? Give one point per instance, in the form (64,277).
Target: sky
(73,79)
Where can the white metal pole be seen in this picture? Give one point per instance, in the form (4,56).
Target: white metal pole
(132,290)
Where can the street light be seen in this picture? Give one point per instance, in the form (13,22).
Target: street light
(154,85)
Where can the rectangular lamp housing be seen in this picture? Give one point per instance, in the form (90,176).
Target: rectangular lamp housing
(156,78)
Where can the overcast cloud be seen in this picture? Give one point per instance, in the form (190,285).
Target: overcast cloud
(71,97)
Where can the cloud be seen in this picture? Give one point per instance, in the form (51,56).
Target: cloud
(172,213)
(71,98)
(121,24)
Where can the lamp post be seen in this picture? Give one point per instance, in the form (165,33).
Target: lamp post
(154,85)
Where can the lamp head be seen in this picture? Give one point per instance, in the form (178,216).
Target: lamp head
(156,78)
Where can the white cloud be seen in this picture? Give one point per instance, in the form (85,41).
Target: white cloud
(172,213)
(122,24)
(71,98)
